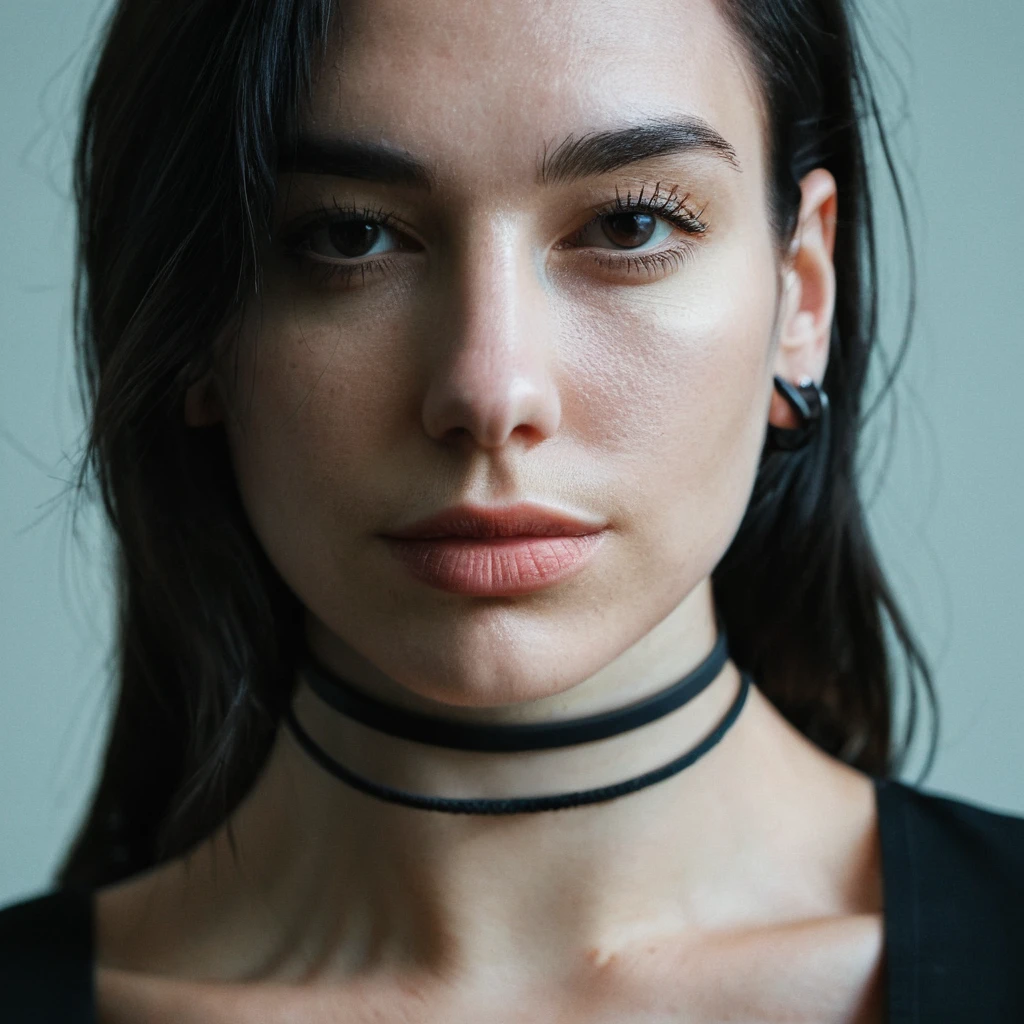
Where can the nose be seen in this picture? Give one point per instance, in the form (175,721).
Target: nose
(492,370)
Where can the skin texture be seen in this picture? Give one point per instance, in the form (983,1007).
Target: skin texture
(494,355)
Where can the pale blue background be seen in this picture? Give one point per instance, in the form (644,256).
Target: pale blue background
(949,515)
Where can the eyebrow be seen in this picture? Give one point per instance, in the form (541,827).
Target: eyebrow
(602,152)
(573,159)
(343,157)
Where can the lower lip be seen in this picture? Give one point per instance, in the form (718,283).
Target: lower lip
(500,567)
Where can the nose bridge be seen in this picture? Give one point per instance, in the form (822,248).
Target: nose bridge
(492,376)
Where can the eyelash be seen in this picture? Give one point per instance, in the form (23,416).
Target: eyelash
(668,205)
(322,272)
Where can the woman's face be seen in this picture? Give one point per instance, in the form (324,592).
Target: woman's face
(499,325)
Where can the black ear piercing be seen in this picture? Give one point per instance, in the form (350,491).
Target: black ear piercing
(809,403)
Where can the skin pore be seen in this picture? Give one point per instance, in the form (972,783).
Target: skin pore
(505,338)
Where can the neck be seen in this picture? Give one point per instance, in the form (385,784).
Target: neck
(369,884)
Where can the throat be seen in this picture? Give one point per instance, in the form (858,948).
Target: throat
(759,831)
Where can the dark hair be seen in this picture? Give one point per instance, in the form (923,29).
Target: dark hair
(186,112)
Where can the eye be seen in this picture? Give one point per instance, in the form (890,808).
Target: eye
(624,230)
(350,238)
(647,235)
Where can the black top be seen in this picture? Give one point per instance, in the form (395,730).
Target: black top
(953,876)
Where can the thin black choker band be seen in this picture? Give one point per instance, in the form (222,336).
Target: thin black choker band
(444,732)
(519,805)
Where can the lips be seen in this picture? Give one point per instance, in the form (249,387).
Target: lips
(495,552)
(522,520)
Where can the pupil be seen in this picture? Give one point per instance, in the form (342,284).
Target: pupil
(354,237)
(629,229)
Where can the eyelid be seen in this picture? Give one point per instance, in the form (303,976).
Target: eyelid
(666,203)
(670,203)
(323,216)
(294,239)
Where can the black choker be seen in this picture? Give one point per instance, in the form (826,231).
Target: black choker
(509,738)
(445,732)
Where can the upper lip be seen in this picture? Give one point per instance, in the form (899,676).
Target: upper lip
(521,520)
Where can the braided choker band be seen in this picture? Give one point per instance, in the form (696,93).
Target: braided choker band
(441,732)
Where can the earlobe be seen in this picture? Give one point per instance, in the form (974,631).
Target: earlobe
(203,407)
(809,407)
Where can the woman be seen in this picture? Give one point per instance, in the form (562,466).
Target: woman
(476,389)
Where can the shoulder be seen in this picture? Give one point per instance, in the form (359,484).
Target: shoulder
(945,833)
(953,879)
(46,959)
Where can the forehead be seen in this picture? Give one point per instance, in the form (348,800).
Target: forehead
(482,88)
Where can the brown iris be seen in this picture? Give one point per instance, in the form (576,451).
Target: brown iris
(354,238)
(629,229)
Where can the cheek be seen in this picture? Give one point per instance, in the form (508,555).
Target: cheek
(315,409)
(672,389)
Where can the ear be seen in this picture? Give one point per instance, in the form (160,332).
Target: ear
(808,293)
(203,405)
